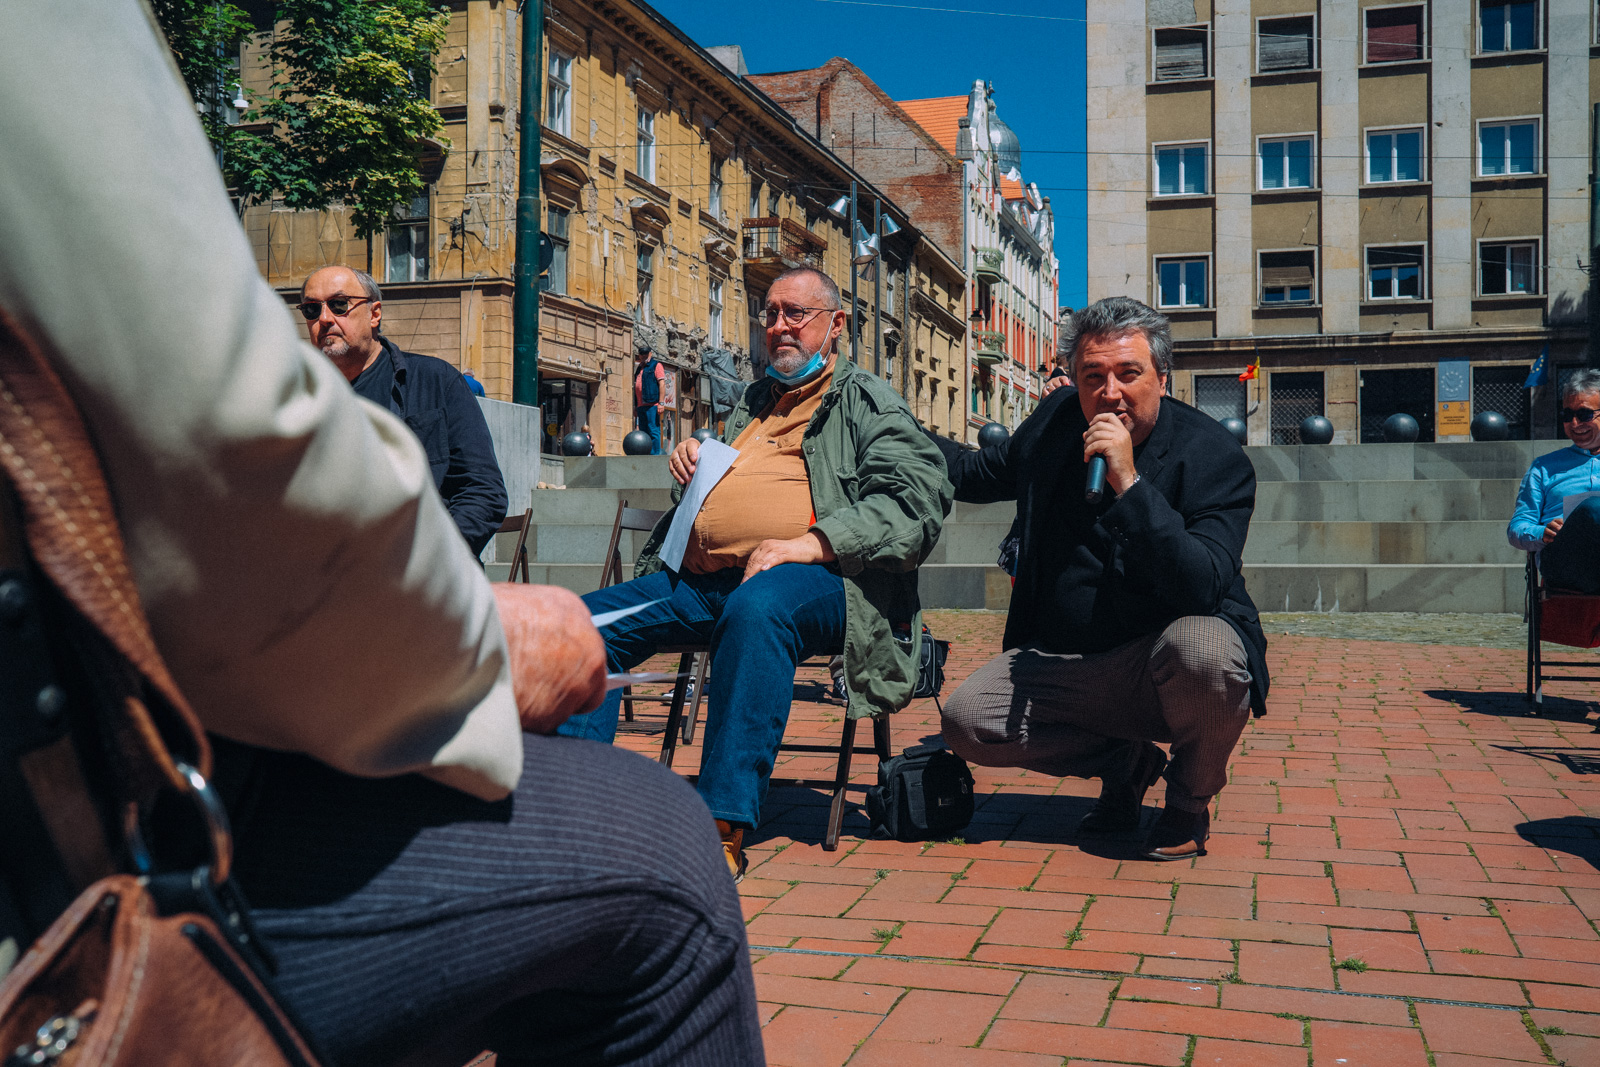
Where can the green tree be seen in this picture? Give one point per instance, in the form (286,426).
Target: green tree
(204,37)
(349,104)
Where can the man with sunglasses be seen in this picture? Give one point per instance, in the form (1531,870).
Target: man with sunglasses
(343,309)
(808,546)
(1568,545)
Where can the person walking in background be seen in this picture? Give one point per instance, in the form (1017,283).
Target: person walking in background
(648,376)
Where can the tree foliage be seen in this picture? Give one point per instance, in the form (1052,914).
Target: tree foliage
(349,105)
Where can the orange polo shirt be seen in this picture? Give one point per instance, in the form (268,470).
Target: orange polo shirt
(766,493)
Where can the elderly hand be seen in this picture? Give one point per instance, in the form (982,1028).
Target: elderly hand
(809,547)
(558,661)
(683,460)
(1552,529)
(1052,384)
(1107,436)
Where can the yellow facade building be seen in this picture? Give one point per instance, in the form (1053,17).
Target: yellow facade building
(673,192)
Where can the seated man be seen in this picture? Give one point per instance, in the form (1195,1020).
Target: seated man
(1129,621)
(809,545)
(1569,549)
(343,309)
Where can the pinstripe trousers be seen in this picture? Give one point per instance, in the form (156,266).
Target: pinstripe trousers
(1074,715)
(586,919)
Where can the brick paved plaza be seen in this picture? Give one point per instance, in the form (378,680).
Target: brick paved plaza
(1402,872)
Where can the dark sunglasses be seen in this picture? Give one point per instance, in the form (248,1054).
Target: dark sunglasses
(311,310)
(1581,414)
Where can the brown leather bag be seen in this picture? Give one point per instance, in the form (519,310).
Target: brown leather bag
(150,970)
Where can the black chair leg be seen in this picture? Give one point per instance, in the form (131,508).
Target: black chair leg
(880,737)
(669,740)
(841,778)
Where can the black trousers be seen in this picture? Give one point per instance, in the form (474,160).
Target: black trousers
(587,919)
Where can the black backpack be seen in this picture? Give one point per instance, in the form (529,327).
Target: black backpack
(923,794)
(930,667)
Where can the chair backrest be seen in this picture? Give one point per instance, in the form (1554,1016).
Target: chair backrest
(519,556)
(627,519)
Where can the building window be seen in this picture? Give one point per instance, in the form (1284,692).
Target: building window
(645,280)
(1508,148)
(1395,34)
(774,201)
(1508,25)
(714,324)
(1285,163)
(714,197)
(1508,268)
(1289,277)
(408,242)
(1394,155)
(1181,283)
(1395,273)
(556,228)
(1222,396)
(645,158)
(1286,44)
(1181,169)
(558,90)
(1294,396)
(754,207)
(1499,388)
(1181,52)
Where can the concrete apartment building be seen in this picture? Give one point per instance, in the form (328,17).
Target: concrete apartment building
(968,196)
(673,192)
(1385,204)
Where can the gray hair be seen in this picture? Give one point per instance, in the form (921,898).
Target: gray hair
(1582,381)
(1113,317)
(829,286)
(363,279)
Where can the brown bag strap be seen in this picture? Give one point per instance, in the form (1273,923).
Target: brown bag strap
(72,534)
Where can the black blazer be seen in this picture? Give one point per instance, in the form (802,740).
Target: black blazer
(1169,547)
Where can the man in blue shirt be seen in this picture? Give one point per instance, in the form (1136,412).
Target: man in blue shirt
(343,309)
(1569,546)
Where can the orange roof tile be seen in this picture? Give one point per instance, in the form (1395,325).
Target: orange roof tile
(938,115)
(1011,190)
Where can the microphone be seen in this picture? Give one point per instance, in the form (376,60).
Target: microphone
(1094,483)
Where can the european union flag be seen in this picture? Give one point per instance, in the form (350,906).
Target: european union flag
(1540,374)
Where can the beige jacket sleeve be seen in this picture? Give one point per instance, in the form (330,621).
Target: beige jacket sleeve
(303,580)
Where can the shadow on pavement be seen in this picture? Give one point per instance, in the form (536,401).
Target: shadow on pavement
(1576,835)
(1515,705)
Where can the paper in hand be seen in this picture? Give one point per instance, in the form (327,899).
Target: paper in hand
(1570,503)
(711,464)
(617,681)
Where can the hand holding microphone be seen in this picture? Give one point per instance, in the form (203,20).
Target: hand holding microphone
(1108,451)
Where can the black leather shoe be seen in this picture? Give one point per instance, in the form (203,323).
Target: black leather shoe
(1122,799)
(1178,835)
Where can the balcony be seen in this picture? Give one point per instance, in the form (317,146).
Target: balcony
(991,347)
(988,265)
(771,247)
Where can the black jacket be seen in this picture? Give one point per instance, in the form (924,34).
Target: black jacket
(434,400)
(1169,547)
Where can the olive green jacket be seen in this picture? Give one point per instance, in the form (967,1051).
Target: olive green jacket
(880,495)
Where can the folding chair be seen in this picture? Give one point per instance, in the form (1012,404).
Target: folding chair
(519,556)
(692,658)
(1562,618)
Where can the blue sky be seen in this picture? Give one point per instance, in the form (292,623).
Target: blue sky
(1032,50)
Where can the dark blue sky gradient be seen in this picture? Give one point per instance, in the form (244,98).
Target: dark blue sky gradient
(915,50)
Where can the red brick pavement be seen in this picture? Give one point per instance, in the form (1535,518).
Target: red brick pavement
(1405,869)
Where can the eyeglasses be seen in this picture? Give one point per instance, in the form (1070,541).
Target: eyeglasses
(1581,414)
(793,315)
(311,310)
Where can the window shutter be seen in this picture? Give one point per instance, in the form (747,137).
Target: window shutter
(1394,36)
(1298,274)
(1180,53)
(1286,44)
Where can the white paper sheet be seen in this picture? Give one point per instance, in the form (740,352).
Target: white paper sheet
(711,464)
(1570,503)
(606,618)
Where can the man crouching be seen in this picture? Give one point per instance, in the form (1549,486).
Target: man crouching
(1129,622)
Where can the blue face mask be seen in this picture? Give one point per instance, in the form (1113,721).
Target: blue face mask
(812,368)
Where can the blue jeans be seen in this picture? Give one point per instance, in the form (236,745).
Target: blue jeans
(649,420)
(759,631)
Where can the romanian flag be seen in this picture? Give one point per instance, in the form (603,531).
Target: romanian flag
(1252,372)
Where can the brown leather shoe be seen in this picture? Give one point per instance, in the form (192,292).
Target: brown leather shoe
(1178,835)
(1121,800)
